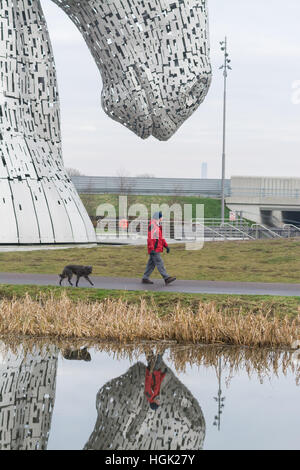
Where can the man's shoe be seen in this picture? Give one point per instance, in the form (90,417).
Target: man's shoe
(147,281)
(169,280)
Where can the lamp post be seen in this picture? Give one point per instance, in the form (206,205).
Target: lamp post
(225,68)
(219,399)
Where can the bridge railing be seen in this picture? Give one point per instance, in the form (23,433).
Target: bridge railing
(292,230)
(239,231)
(261,231)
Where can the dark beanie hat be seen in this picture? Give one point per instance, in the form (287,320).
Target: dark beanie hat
(154,406)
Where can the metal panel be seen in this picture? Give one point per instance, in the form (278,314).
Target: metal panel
(25,212)
(42,210)
(8,227)
(17,158)
(76,221)
(62,231)
(90,231)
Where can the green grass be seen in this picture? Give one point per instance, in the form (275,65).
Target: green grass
(254,261)
(212,207)
(165,301)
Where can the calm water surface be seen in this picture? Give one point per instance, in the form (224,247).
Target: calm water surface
(106,397)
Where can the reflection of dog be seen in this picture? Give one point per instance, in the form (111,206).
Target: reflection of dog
(77,354)
(79,271)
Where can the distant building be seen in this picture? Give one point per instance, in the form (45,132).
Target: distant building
(204,170)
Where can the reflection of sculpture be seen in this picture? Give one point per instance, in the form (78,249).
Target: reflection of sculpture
(155,68)
(126,421)
(27,394)
(153,58)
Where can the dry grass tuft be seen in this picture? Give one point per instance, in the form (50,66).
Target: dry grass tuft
(118,320)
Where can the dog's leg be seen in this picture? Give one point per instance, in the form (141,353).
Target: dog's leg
(78,277)
(69,279)
(61,278)
(88,279)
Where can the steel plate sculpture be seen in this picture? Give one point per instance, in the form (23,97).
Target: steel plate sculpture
(154,60)
(126,422)
(27,396)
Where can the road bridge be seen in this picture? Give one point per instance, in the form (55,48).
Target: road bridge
(273,202)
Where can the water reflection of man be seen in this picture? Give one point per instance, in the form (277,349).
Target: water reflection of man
(153,380)
(125,416)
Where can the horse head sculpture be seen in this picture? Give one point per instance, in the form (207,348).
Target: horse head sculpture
(154,60)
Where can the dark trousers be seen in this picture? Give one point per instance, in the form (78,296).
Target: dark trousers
(155,261)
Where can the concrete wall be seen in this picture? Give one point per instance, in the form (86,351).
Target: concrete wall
(151,186)
(262,187)
(265,200)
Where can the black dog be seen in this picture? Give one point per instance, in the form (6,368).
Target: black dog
(79,271)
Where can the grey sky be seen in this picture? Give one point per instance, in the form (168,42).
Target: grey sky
(263,122)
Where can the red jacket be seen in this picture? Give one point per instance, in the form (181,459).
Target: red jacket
(152,384)
(156,242)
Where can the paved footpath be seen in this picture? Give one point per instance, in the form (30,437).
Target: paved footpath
(191,287)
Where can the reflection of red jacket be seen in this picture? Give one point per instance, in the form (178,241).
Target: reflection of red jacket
(153,383)
(156,242)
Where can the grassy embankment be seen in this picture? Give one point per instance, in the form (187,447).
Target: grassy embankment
(254,261)
(212,207)
(128,316)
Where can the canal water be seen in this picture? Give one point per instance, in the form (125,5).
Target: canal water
(106,396)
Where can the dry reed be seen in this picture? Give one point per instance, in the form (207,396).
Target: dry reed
(123,322)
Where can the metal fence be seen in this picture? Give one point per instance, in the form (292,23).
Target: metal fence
(150,186)
(205,229)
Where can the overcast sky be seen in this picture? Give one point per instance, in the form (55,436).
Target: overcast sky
(263,134)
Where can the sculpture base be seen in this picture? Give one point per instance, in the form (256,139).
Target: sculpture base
(42,212)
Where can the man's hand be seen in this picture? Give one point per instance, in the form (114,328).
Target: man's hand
(168,249)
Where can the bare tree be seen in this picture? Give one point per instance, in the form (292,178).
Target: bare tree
(123,184)
(126,184)
(90,202)
(74,172)
(176,197)
(145,175)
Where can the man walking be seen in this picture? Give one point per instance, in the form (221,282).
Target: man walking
(156,244)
